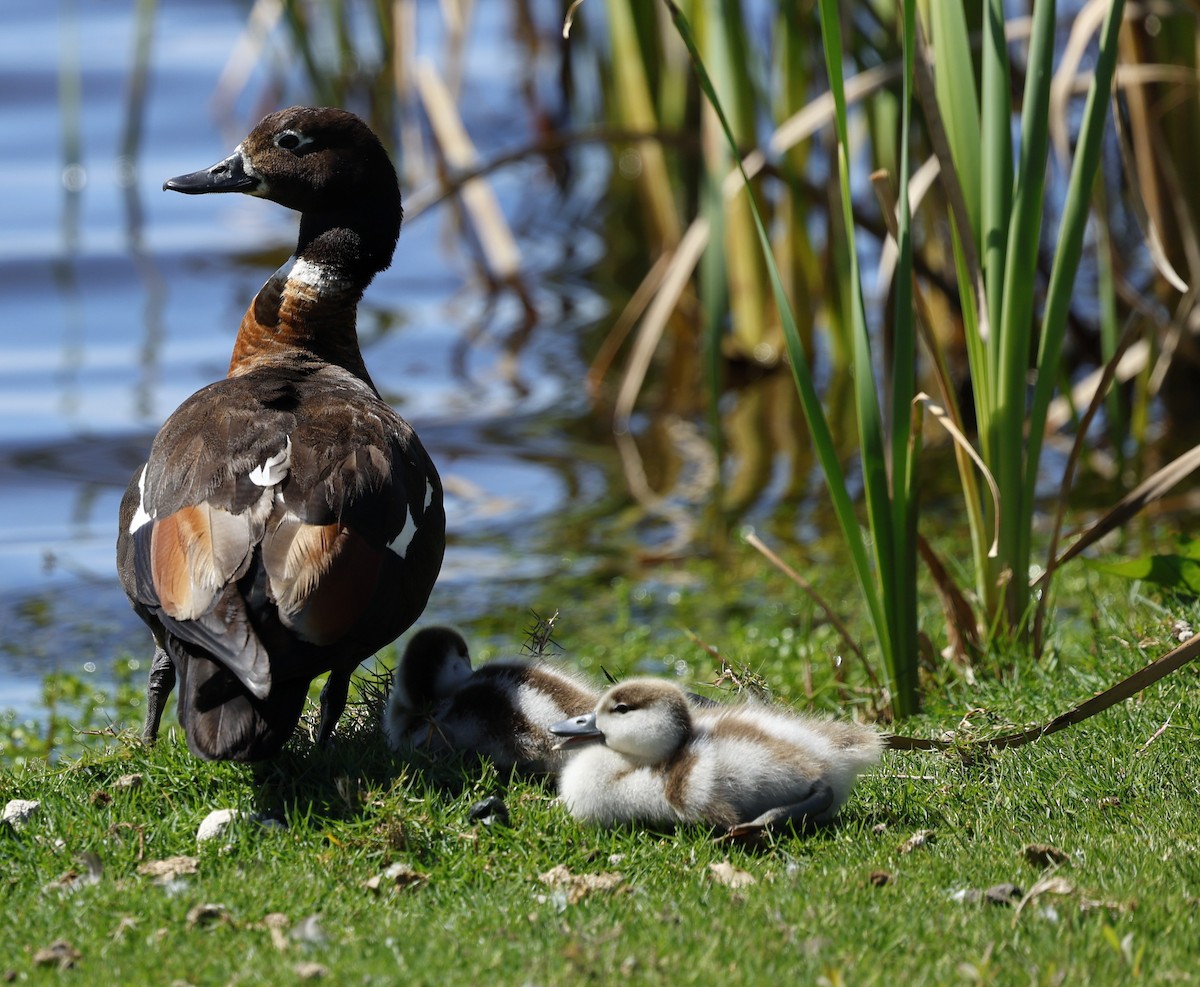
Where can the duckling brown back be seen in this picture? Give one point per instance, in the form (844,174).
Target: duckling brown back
(504,711)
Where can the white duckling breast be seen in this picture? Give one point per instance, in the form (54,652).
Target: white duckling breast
(655,759)
(602,787)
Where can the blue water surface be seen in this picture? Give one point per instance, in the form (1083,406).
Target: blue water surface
(120,299)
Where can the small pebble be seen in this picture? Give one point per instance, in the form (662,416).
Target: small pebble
(490,811)
(59,953)
(218,822)
(19,811)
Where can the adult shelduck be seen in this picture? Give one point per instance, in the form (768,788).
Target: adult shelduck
(288,521)
(653,757)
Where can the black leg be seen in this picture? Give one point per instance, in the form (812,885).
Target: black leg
(333,701)
(811,809)
(162,681)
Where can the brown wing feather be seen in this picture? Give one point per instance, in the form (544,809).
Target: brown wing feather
(194,553)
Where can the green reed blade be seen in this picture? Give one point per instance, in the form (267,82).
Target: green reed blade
(871,433)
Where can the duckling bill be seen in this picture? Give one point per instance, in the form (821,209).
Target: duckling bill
(644,754)
(288,522)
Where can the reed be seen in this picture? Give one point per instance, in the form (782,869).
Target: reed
(972,342)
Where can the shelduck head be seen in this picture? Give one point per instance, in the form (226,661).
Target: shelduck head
(646,720)
(325,163)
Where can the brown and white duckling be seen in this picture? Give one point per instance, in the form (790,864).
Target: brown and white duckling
(645,754)
(288,522)
(502,710)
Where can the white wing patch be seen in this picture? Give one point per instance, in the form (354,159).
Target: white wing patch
(400,543)
(274,469)
(141,515)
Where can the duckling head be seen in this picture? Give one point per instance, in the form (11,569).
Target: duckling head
(435,663)
(646,720)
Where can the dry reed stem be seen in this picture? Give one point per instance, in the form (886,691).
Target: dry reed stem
(500,250)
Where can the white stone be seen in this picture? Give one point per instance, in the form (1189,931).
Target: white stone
(19,811)
(218,822)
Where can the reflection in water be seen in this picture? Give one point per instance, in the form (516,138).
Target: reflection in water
(153,285)
(137,305)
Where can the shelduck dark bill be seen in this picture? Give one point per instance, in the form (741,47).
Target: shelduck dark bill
(288,521)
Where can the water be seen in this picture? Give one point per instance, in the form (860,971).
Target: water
(120,299)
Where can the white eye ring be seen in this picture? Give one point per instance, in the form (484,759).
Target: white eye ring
(300,140)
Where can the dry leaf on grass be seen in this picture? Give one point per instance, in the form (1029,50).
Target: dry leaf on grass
(1055,885)
(395,877)
(129,781)
(170,868)
(577,886)
(1050,884)
(88,872)
(310,971)
(206,914)
(59,953)
(1043,855)
(725,873)
(277,924)
(922,837)
(879,878)
(125,923)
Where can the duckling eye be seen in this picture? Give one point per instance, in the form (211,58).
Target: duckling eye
(621,708)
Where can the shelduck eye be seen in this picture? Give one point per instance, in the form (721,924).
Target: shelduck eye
(289,140)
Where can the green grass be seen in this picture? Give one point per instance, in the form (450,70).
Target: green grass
(1125,814)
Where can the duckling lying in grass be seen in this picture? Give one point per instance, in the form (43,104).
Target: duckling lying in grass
(646,755)
(502,710)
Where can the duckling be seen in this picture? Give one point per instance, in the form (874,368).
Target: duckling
(435,663)
(655,758)
(501,711)
(288,521)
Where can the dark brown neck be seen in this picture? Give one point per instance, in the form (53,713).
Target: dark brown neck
(305,314)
